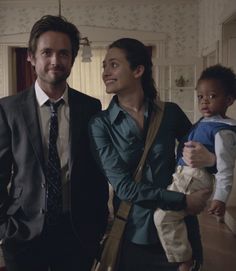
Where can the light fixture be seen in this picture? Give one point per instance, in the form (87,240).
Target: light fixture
(86,50)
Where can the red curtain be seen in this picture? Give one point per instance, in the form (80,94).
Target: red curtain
(25,75)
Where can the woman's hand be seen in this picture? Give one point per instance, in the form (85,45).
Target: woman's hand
(197,155)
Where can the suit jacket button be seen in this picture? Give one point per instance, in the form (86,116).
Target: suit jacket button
(42,211)
(43,185)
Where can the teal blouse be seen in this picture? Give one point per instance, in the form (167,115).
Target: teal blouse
(117,144)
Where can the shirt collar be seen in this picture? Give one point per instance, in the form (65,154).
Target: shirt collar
(115,110)
(218,118)
(42,97)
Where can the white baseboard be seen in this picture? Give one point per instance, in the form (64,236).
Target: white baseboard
(230,218)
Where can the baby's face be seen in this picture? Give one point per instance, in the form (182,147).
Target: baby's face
(212,99)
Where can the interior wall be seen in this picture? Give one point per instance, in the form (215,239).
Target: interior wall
(178,19)
(212,14)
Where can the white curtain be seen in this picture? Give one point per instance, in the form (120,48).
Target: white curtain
(87,76)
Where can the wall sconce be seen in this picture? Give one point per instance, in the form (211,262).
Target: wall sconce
(86,50)
(181,82)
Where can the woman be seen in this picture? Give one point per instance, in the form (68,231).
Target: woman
(118,138)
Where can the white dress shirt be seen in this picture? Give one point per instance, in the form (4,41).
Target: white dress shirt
(63,135)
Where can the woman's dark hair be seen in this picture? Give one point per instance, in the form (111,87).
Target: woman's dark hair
(137,54)
(58,24)
(225,76)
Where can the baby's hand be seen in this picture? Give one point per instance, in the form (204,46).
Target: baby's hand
(217,208)
(197,155)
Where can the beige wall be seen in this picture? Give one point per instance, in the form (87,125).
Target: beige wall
(212,13)
(178,19)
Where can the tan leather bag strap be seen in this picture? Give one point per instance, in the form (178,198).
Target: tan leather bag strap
(154,124)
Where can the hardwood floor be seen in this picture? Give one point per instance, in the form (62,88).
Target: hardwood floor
(219,245)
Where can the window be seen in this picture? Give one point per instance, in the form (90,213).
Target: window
(87,76)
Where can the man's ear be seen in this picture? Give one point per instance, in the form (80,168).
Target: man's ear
(138,72)
(30,58)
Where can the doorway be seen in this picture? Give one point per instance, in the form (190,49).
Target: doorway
(25,75)
(229,50)
(229,60)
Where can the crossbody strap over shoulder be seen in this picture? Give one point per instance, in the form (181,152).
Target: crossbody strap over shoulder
(109,260)
(154,124)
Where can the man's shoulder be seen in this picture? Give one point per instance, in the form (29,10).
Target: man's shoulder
(76,94)
(16,98)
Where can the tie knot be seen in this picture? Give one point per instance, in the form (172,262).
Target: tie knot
(54,105)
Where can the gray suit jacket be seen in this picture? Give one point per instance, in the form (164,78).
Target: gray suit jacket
(22,170)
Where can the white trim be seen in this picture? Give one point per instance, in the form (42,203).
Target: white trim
(95,34)
(5,84)
(229,18)
(213,47)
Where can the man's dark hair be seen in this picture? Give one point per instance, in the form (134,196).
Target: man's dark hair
(57,24)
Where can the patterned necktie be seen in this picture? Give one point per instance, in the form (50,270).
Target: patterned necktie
(54,185)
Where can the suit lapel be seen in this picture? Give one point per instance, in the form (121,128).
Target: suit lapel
(30,115)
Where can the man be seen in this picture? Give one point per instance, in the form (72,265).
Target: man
(53,198)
